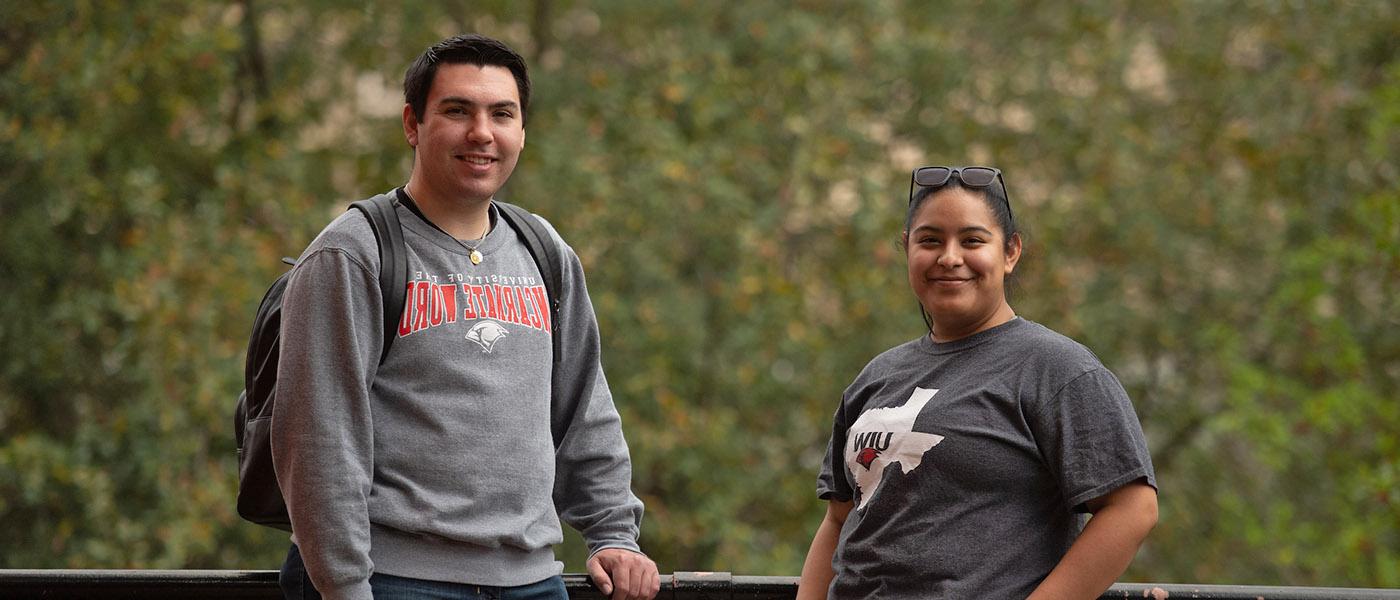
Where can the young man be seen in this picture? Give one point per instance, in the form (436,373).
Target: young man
(434,473)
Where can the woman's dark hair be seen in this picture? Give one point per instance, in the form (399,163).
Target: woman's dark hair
(469,49)
(993,195)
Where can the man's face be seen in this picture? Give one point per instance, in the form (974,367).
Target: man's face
(471,135)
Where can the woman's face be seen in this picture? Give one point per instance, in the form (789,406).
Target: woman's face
(958,263)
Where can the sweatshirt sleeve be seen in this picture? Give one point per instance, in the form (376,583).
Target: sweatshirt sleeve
(322,435)
(593,478)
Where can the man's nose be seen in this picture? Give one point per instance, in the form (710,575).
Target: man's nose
(479,132)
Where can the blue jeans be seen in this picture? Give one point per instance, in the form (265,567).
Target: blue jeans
(297,586)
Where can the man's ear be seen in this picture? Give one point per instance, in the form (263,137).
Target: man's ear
(410,125)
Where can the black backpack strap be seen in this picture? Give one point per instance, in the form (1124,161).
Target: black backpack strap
(543,250)
(393,261)
(546,254)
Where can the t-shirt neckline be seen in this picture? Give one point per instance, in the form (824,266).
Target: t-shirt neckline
(929,346)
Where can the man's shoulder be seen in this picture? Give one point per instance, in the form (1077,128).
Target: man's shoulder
(554,234)
(348,233)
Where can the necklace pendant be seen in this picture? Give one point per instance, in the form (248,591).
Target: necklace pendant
(476,257)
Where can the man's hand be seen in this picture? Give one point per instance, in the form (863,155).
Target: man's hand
(624,575)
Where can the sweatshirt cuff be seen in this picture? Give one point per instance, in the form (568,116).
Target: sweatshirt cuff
(613,534)
(623,544)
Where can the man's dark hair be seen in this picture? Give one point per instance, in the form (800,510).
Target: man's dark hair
(469,49)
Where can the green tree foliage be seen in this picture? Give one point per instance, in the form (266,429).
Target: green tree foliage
(1209,189)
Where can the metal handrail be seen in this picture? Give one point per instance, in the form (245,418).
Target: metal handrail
(55,584)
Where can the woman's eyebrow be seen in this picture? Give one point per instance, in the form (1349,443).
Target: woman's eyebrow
(968,229)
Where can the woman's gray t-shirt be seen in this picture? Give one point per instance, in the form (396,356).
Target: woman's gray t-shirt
(970,463)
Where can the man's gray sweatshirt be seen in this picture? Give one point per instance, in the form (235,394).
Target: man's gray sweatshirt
(439,464)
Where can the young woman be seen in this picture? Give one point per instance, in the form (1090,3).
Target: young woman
(962,463)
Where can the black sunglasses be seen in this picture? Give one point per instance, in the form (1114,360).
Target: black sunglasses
(973,177)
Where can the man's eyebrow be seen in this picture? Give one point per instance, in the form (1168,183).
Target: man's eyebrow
(459,100)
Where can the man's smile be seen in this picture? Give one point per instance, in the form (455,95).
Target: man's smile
(474,159)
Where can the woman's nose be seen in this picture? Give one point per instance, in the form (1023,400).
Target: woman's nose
(950,258)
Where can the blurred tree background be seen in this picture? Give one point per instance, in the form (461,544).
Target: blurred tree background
(1211,191)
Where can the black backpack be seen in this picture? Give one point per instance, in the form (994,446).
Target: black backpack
(259,496)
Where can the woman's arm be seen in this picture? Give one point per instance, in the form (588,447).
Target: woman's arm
(816,570)
(1104,549)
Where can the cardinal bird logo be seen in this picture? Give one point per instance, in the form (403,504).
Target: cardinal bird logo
(867,456)
(486,334)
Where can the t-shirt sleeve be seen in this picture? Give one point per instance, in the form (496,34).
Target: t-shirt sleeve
(1090,438)
(832,483)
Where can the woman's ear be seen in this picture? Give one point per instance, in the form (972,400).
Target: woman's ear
(1013,252)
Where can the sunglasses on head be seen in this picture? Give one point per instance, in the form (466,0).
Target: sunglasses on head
(973,177)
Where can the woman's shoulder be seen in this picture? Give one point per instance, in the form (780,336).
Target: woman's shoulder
(901,353)
(1053,349)
(893,359)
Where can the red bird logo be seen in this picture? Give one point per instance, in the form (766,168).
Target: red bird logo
(867,456)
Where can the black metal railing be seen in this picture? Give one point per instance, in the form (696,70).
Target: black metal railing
(262,585)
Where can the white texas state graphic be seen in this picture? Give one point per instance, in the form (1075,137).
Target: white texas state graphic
(883,436)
